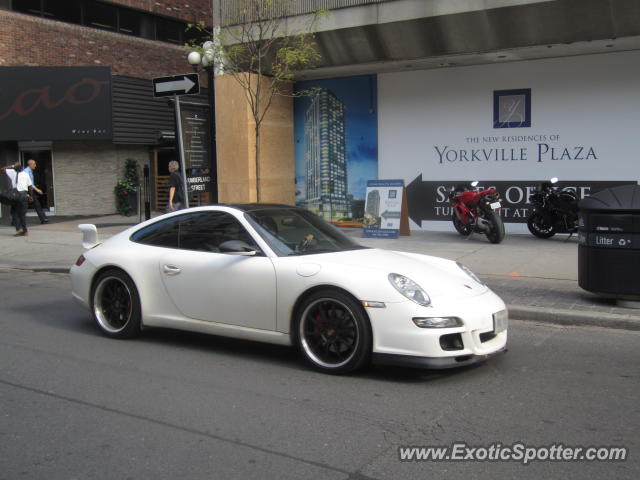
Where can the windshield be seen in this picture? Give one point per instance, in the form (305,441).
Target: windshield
(291,231)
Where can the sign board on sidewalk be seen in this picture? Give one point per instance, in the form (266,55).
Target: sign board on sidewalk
(186,84)
(197,147)
(385,210)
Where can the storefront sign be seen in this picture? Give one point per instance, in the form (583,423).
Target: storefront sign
(55,103)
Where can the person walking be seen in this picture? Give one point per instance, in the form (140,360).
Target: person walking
(176,190)
(12,175)
(36,193)
(21,181)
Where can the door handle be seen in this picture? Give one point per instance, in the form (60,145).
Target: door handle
(171,270)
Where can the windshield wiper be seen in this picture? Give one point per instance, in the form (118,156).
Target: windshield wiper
(316,250)
(327,250)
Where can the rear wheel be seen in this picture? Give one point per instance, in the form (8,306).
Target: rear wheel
(540,226)
(115,304)
(464,230)
(495,234)
(333,332)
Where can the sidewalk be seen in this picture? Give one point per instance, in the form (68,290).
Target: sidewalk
(536,278)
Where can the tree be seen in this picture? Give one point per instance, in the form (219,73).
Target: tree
(263,50)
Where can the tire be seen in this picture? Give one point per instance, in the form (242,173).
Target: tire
(333,332)
(496,231)
(538,226)
(464,230)
(115,304)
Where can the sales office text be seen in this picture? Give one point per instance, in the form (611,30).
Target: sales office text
(515,194)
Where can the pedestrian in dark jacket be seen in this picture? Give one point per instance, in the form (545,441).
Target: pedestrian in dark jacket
(176,188)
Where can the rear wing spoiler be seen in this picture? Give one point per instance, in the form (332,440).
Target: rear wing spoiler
(89,235)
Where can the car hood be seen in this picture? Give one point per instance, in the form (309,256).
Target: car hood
(442,279)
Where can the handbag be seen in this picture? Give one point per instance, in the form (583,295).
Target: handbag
(10,197)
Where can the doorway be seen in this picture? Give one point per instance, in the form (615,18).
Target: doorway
(42,175)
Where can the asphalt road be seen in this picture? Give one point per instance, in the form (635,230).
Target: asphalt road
(74,404)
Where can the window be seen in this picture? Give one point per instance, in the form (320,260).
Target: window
(202,231)
(169,31)
(207,230)
(28,6)
(69,11)
(101,15)
(130,22)
(160,234)
(116,18)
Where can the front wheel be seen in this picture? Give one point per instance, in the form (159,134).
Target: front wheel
(333,332)
(495,234)
(539,226)
(464,230)
(115,304)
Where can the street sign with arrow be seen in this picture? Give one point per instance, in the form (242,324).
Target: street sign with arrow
(186,84)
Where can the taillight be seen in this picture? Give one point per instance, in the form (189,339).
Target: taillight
(80,260)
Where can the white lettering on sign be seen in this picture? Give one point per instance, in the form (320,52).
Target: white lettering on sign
(604,241)
(198,179)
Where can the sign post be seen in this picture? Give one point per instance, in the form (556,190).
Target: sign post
(185,188)
(186,84)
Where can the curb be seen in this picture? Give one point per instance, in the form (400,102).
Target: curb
(516,312)
(38,269)
(573,318)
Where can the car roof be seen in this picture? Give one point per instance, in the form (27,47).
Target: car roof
(250,207)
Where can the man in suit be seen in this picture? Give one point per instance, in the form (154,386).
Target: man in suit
(35,191)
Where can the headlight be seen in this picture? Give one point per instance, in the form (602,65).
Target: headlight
(466,270)
(409,289)
(437,322)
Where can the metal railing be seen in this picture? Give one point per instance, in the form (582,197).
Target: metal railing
(232,10)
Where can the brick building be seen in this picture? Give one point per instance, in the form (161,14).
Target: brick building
(121,46)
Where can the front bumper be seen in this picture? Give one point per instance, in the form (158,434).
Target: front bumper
(397,340)
(433,363)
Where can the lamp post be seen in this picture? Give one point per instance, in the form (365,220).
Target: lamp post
(205,62)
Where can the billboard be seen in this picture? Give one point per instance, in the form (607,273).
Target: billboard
(336,145)
(512,126)
(55,103)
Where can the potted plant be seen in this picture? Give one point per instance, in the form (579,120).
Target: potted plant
(127,188)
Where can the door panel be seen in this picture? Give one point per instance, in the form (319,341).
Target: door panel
(221,288)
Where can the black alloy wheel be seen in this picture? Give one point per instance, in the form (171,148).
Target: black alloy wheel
(333,332)
(464,230)
(539,226)
(115,304)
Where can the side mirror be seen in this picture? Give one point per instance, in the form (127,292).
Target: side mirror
(237,247)
(474,184)
(554,180)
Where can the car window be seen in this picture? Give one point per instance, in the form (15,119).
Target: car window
(205,231)
(201,231)
(160,234)
(294,231)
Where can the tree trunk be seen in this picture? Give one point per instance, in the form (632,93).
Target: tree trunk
(258,193)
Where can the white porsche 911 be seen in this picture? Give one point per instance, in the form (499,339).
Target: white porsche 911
(283,275)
